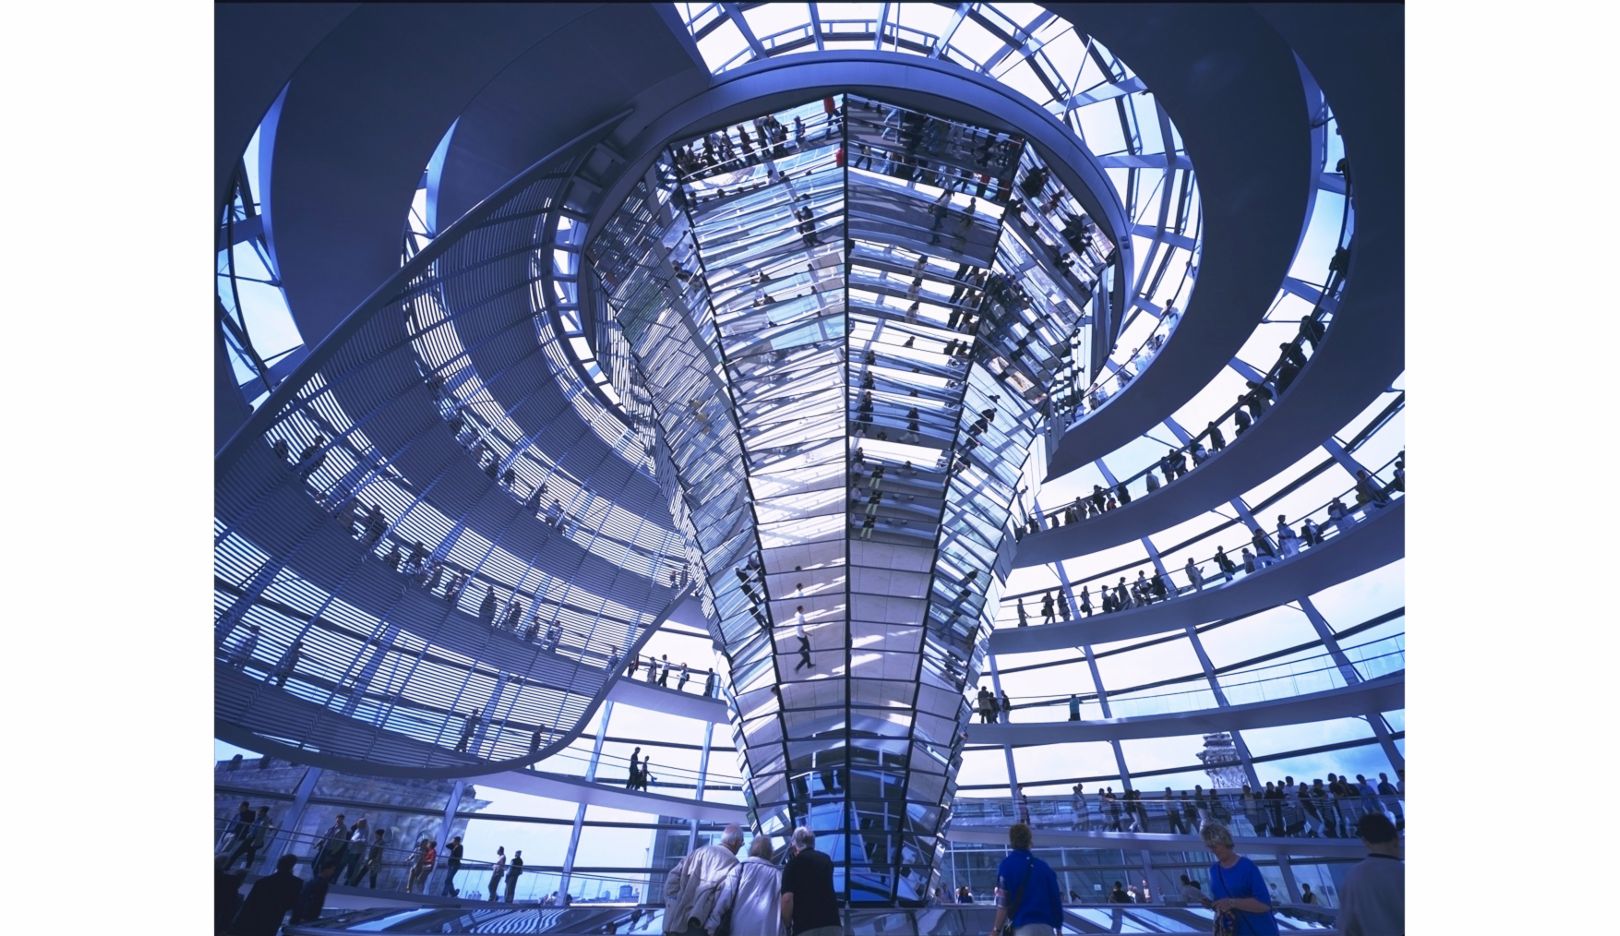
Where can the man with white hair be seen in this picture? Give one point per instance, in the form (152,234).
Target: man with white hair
(693,885)
(809,904)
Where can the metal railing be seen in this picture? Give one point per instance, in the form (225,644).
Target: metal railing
(1257,552)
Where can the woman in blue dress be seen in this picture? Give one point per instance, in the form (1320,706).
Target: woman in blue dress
(1240,894)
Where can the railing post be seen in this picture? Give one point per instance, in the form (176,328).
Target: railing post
(294,818)
(449,822)
(1287,870)
(579,812)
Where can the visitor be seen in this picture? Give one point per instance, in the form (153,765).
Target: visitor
(1074,707)
(289,663)
(372,866)
(452,866)
(333,845)
(1372,900)
(311,903)
(1391,800)
(269,900)
(1119,895)
(310,459)
(987,706)
(809,904)
(750,900)
(513,872)
(1172,814)
(239,825)
(692,887)
(1240,897)
(1305,896)
(804,643)
(227,895)
(1191,892)
(1027,894)
(243,651)
(252,840)
(497,871)
(469,727)
(1287,540)
(1368,490)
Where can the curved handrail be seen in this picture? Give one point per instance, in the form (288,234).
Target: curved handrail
(1095,811)
(1123,704)
(392,872)
(1391,483)
(1249,408)
(399,283)
(495,731)
(1262,394)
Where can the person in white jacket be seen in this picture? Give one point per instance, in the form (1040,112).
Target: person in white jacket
(752,894)
(694,883)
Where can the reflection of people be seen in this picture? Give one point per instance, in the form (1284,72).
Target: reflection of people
(804,644)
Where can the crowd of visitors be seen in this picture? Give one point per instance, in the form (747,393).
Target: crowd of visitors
(710,891)
(1179,461)
(640,771)
(1262,551)
(992,709)
(659,669)
(343,854)
(1282,809)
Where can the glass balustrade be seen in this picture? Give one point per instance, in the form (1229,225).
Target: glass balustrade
(1319,673)
(1182,812)
(1236,557)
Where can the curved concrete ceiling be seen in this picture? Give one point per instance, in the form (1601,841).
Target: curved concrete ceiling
(608,56)
(257,47)
(1232,87)
(362,116)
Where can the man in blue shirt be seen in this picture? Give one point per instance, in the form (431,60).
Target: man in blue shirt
(1027,892)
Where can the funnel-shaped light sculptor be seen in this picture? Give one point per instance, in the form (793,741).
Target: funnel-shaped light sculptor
(836,327)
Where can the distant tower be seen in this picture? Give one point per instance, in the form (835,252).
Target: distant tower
(1221,761)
